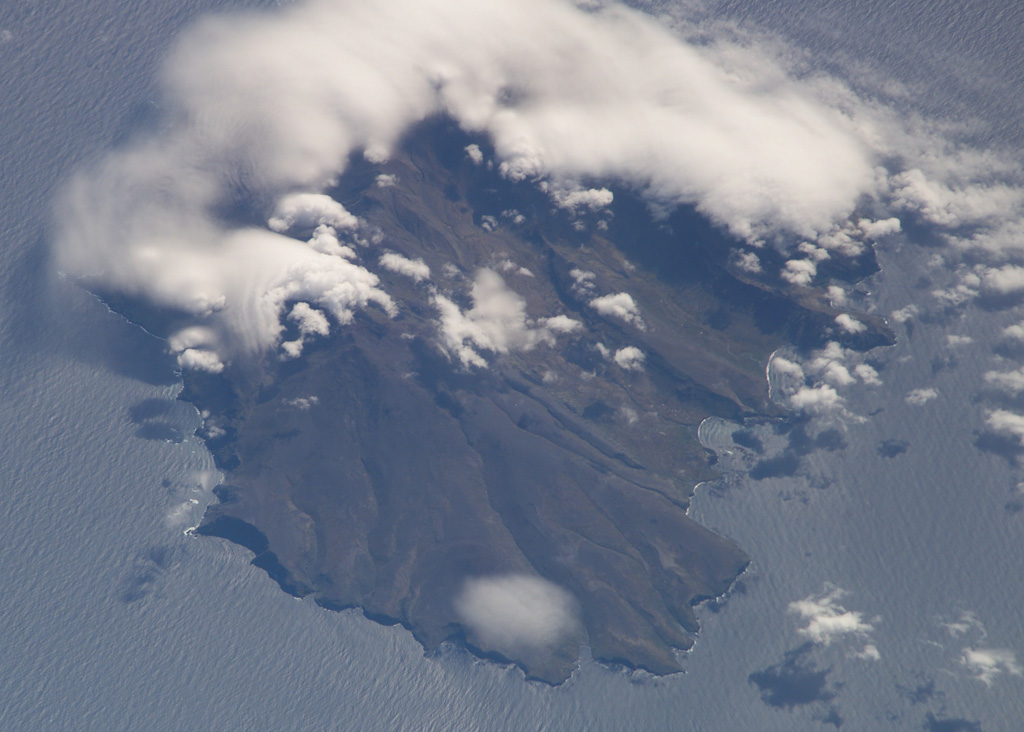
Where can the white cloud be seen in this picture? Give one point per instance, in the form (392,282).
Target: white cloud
(619,305)
(949,204)
(562,324)
(819,398)
(474,153)
(917,397)
(837,295)
(800,272)
(1014,332)
(786,367)
(511,611)
(869,653)
(748,262)
(987,664)
(816,254)
(813,384)
(630,358)
(958,340)
(878,229)
(196,349)
(827,620)
(849,324)
(325,240)
(1005,280)
(583,281)
(1006,423)
(867,374)
(198,359)
(1011,382)
(310,322)
(306,210)
(386,180)
(497,322)
(905,313)
(837,374)
(416,269)
(576,199)
(303,404)
(507,265)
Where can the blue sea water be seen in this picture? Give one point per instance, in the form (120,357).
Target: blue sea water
(114,618)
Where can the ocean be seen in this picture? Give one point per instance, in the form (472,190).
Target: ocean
(114,617)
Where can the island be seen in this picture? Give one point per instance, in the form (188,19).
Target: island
(530,498)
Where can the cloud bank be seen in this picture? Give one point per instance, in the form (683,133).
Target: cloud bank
(264,109)
(268,107)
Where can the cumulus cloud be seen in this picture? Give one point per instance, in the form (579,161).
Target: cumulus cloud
(580,199)
(1005,280)
(849,324)
(303,404)
(813,383)
(986,664)
(306,210)
(630,358)
(821,398)
(1011,382)
(867,374)
(749,262)
(474,153)
(619,305)
(799,272)
(583,280)
(905,313)
(1006,423)
(198,359)
(310,322)
(507,265)
(917,397)
(497,322)
(195,347)
(827,620)
(786,367)
(1014,332)
(511,611)
(837,295)
(415,269)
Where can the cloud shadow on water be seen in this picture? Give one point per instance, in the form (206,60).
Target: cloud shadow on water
(892,448)
(796,681)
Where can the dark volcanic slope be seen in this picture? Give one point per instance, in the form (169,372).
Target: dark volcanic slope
(411,474)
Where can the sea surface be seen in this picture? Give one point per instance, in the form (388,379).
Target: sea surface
(114,617)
